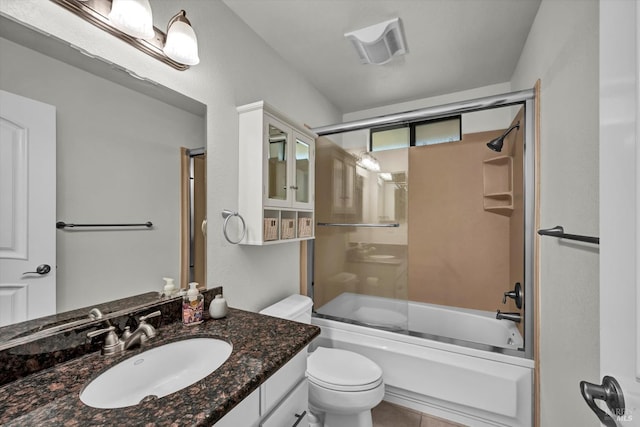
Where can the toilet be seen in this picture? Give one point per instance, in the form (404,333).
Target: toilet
(343,385)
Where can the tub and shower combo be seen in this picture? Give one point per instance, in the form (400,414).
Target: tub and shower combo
(454,361)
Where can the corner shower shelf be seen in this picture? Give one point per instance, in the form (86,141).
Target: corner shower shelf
(497,176)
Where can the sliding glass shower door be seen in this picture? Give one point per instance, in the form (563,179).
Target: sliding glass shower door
(360,252)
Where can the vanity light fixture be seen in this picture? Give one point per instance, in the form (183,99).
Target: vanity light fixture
(131,21)
(182,44)
(132,17)
(379,43)
(367,161)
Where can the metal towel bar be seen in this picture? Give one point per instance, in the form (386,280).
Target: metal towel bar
(340,224)
(558,231)
(62,224)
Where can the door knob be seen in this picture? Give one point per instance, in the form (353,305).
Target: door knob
(609,391)
(41,269)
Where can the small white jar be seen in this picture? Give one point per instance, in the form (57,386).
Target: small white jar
(169,287)
(218,307)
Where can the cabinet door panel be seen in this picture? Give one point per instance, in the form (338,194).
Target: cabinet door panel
(287,377)
(292,411)
(303,151)
(303,163)
(246,413)
(278,152)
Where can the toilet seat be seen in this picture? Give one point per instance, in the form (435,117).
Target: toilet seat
(342,370)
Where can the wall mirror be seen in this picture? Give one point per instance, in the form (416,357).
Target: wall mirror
(117,161)
(392,197)
(277,165)
(303,155)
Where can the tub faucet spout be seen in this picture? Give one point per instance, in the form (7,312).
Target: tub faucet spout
(514,317)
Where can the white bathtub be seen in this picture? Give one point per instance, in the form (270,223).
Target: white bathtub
(461,383)
(450,324)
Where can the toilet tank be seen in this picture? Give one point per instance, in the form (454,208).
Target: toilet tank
(295,307)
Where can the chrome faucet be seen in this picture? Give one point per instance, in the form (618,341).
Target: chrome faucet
(143,332)
(514,317)
(115,345)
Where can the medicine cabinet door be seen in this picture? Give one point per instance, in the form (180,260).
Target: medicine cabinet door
(303,163)
(277,141)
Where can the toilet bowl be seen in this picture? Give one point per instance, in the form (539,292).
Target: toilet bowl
(343,385)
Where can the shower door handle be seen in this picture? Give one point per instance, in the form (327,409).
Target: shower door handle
(609,391)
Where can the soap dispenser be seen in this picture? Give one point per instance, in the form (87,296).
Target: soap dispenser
(218,307)
(192,306)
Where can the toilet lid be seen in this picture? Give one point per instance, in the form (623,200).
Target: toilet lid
(338,369)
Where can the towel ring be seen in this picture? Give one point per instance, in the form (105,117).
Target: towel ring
(227,214)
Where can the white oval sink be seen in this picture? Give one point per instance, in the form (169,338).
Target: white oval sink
(156,373)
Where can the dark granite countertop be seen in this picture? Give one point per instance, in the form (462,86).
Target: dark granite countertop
(261,345)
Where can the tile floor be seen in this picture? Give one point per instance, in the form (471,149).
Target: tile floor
(389,415)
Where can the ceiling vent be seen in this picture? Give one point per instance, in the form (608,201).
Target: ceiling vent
(379,43)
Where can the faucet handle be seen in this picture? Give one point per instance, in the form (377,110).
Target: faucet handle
(150,315)
(97,332)
(111,341)
(516,294)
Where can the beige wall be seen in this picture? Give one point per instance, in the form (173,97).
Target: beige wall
(459,253)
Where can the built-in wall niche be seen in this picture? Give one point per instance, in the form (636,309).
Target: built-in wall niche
(497,175)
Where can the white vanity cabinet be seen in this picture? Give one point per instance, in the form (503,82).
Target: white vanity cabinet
(281,401)
(276,176)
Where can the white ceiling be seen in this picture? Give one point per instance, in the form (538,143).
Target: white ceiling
(452,45)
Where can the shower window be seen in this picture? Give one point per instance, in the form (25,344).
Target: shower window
(390,138)
(436,132)
(416,134)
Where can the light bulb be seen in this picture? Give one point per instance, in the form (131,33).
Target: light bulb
(133,17)
(182,43)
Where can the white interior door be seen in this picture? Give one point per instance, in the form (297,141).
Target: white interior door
(619,215)
(27,209)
